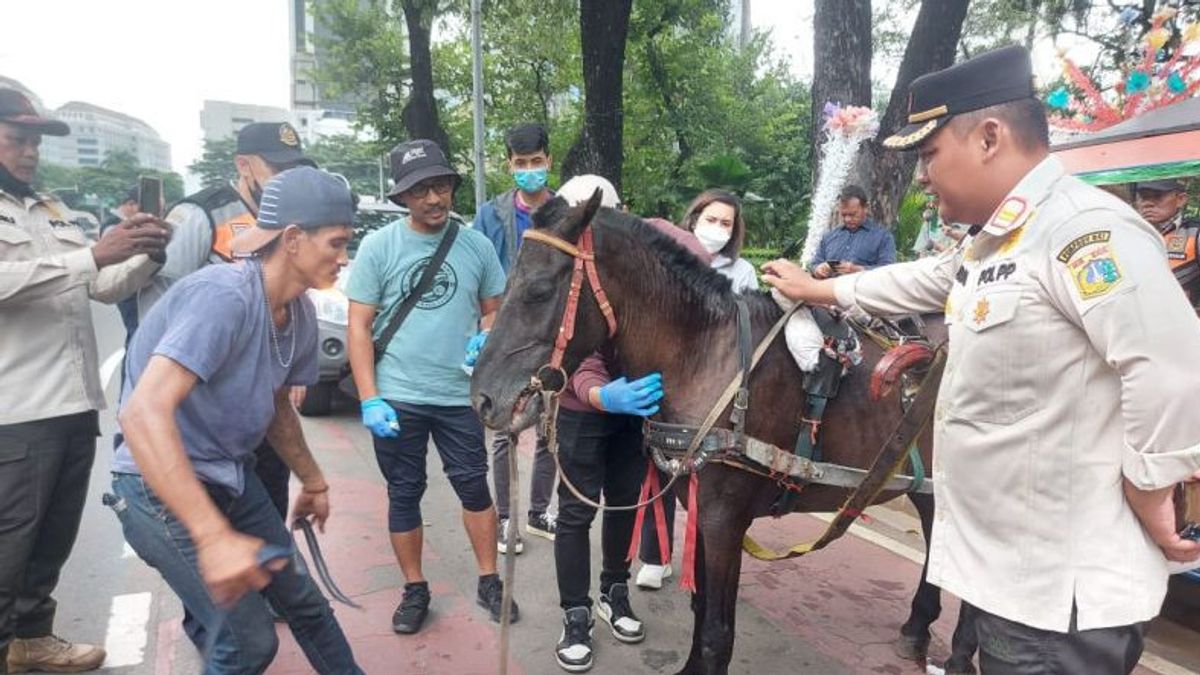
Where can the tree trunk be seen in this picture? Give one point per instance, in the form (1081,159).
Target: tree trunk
(604,27)
(841,62)
(931,47)
(420,114)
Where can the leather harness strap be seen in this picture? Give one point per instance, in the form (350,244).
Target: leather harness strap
(585,267)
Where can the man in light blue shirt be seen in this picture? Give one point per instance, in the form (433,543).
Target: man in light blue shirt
(858,244)
(417,387)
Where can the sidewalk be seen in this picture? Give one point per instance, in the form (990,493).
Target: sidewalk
(836,611)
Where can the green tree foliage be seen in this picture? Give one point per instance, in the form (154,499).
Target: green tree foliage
(359,161)
(696,107)
(367,60)
(104,185)
(215,164)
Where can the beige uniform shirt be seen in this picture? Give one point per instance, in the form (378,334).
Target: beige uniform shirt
(1074,361)
(48,361)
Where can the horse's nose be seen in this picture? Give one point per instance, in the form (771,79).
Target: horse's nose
(483,405)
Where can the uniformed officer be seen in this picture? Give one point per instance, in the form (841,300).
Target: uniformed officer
(1161,203)
(49,383)
(1064,417)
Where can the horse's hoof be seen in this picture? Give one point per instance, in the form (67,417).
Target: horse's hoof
(911,648)
(959,665)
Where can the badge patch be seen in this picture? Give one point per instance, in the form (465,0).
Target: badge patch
(981,311)
(1097,237)
(287,135)
(1177,246)
(1009,216)
(1094,270)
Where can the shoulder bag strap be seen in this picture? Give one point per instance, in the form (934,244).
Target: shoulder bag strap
(410,301)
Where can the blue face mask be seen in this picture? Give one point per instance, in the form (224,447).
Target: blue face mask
(531,180)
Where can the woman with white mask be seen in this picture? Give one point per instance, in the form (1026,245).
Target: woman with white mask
(715,217)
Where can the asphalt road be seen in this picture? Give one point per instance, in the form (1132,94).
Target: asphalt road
(831,613)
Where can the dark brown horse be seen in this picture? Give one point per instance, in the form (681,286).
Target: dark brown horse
(678,317)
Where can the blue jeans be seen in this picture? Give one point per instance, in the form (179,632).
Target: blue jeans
(242,638)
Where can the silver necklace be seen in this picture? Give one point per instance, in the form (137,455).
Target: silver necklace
(262,274)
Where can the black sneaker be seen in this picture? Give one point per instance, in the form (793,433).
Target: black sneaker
(541,525)
(413,608)
(574,652)
(491,598)
(615,610)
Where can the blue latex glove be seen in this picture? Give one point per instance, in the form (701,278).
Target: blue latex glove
(639,397)
(474,346)
(380,418)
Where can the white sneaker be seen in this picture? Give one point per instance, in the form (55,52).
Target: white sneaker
(651,576)
(502,537)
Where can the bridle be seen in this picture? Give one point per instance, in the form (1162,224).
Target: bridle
(585,264)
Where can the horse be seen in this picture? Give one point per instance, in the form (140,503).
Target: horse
(677,316)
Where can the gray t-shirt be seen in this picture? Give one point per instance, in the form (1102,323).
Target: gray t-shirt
(214,323)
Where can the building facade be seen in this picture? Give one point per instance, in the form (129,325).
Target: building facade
(97,131)
(224,119)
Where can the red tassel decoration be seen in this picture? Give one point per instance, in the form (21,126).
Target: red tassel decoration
(688,580)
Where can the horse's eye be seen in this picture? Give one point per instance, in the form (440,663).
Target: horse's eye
(538,291)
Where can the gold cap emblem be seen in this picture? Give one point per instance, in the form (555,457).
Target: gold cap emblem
(287,135)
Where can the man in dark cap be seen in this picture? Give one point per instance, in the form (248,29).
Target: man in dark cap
(416,385)
(209,371)
(50,388)
(204,226)
(1161,203)
(1062,426)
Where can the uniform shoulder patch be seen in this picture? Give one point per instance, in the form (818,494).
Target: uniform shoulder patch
(1094,270)
(1077,244)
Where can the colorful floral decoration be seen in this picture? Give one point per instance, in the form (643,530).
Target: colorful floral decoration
(846,129)
(1152,81)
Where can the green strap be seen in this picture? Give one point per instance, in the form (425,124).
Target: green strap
(918,468)
(814,409)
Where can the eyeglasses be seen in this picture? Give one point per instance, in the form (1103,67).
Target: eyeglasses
(442,186)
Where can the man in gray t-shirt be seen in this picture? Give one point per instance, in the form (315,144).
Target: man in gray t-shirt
(208,376)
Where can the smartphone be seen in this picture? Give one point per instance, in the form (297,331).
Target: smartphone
(150,195)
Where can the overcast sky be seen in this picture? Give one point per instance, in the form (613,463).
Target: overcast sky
(158,60)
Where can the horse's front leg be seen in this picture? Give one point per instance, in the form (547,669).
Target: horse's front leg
(913,642)
(724,518)
(695,656)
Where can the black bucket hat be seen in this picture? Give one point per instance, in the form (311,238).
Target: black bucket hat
(415,161)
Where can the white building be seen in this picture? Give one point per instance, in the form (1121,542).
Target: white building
(224,119)
(97,131)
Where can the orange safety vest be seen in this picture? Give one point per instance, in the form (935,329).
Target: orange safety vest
(1181,256)
(227,215)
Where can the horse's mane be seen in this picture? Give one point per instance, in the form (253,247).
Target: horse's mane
(711,290)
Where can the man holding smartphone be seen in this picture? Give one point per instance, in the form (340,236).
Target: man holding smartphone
(51,391)
(859,244)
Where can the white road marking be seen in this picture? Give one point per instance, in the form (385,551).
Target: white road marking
(110,367)
(126,639)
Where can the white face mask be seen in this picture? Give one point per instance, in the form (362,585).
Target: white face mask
(713,237)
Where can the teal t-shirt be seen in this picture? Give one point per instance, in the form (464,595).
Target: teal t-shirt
(423,362)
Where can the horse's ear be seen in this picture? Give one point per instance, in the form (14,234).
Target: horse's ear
(592,206)
(587,211)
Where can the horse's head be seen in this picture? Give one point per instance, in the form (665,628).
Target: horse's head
(522,341)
